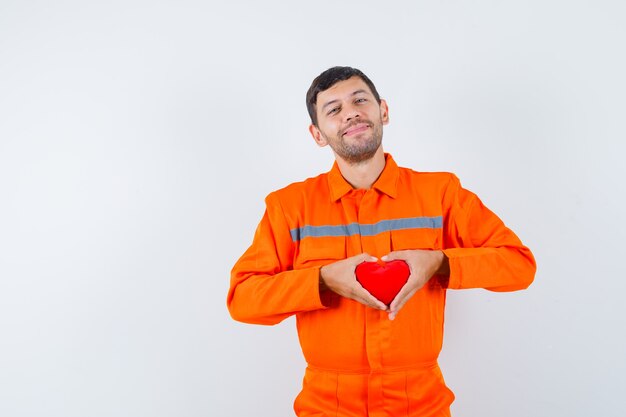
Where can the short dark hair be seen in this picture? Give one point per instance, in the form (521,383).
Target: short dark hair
(329,78)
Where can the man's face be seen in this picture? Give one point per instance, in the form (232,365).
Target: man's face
(350,120)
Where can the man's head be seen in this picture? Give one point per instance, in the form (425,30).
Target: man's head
(347,114)
(329,78)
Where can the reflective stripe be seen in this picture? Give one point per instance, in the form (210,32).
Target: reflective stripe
(367,229)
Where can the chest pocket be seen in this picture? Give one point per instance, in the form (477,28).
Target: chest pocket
(319,251)
(419,239)
(427,238)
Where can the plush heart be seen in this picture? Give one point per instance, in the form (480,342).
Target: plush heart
(383,281)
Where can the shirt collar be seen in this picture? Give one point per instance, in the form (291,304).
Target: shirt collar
(386,183)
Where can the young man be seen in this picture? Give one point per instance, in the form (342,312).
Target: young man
(366,358)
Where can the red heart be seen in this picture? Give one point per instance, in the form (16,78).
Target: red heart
(383,281)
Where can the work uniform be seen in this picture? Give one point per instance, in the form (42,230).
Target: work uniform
(360,363)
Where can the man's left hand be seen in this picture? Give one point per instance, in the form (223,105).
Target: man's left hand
(423,264)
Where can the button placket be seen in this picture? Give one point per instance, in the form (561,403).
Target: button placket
(350,203)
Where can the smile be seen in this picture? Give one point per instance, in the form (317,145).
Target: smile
(356,129)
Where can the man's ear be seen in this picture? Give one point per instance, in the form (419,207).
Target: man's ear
(317,136)
(384,111)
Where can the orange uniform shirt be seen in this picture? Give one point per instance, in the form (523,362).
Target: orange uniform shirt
(359,362)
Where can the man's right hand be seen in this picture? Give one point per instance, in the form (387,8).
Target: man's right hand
(340,278)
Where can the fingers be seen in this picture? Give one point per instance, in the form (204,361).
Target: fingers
(396,255)
(364,257)
(389,257)
(361,294)
(407,291)
(364,297)
(403,296)
(340,278)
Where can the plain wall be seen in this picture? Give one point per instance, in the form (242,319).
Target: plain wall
(139,138)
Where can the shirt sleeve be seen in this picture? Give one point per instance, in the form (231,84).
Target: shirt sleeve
(482,251)
(264,287)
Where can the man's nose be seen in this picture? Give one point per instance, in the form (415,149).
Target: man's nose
(351,113)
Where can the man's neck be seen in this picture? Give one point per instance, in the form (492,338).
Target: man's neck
(364,174)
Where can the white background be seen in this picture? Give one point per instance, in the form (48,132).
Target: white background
(139,138)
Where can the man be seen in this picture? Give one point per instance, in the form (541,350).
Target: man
(366,358)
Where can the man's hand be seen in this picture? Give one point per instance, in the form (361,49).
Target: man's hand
(423,264)
(339,277)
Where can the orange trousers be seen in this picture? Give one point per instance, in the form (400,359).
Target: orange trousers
(412,392)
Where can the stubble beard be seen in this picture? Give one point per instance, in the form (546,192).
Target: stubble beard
(360,150)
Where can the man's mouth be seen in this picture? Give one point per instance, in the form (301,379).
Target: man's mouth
(356,129)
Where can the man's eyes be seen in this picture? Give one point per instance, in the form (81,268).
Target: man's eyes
(336,109)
